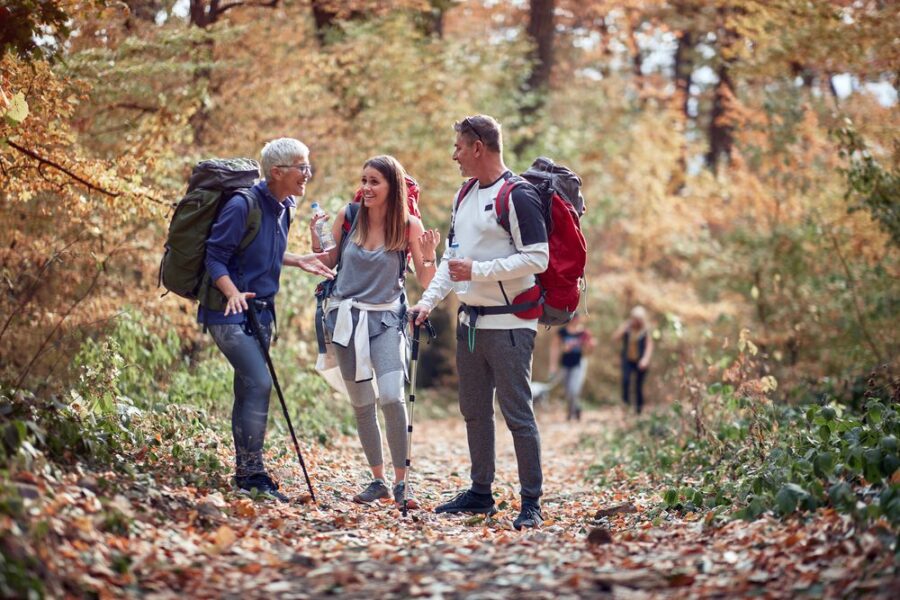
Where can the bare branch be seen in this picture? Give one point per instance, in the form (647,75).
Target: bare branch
(81,180)
(259,4)
(58,167)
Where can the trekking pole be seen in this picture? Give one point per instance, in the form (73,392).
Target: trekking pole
(257,331)
(413,368)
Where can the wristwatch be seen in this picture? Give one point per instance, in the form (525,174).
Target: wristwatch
(429,262)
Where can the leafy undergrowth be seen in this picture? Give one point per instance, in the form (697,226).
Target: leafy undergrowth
(113,534)
(732,452)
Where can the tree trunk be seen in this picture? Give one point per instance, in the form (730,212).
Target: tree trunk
(431,21)
(721,129)
(684,67)
(324,16)
(541,29)
(721,132)
(204,14)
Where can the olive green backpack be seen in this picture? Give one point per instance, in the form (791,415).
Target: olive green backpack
(212,183)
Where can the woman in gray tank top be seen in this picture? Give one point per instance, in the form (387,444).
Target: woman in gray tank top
(365,314)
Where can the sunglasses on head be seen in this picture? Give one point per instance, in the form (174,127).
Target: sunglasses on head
(468,124)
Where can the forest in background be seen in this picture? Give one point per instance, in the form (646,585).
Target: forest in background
(740,164)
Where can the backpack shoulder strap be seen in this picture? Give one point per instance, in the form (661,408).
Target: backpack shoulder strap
(254,217)
(464,190)
(501,206)
(351,211)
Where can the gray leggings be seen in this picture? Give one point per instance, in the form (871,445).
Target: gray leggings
(573,380)
(388,365)
(252,387)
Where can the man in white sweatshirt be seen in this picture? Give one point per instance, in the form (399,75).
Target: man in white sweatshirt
(496,262)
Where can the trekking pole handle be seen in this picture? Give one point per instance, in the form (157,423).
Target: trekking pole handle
(415,340)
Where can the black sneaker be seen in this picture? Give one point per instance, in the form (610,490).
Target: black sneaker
(374,491)
(469,502)
(263,484)
(530,517)
(401,493)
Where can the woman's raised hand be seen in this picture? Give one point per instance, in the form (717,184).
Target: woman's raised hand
(428,242)
(321,216)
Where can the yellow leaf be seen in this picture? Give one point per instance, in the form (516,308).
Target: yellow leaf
(224,537)
(18,109)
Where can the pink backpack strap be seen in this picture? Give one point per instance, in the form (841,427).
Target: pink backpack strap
(463,192)
(501,206)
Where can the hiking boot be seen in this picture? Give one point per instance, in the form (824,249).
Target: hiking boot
(376,490)
(262,484)
(469,502)
(400,490)
(530,517)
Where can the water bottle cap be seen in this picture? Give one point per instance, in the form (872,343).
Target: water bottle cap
(315,205)
(454,244)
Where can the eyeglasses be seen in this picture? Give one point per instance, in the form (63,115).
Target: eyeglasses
(304,168)
(467,123)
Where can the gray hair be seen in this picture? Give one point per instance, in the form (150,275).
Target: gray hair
(283,151)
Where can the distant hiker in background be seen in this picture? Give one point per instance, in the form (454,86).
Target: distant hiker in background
(637,348)
(567,361)
(252,275)
(488,266)
(365,312)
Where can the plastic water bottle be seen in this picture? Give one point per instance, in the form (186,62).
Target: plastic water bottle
(323,229)
(460,287)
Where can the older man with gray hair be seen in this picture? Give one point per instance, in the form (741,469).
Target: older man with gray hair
(252,274)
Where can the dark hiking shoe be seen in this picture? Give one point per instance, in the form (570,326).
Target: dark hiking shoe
(530,517)
(262,484)
(469,502)
(401,493)
(376,490)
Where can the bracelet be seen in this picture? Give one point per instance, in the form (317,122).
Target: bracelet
(429,262)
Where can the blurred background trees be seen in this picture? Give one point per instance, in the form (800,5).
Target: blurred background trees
(740,159)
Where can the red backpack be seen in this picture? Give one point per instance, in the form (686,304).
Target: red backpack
(555,299)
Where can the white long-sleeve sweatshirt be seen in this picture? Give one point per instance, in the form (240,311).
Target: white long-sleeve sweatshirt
(512,258)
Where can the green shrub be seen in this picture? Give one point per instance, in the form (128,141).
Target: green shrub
(735,448)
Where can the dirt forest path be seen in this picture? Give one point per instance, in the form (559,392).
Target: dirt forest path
(186,544)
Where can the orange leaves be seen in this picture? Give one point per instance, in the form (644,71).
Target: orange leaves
(244,508)
(222,539)
(594,539)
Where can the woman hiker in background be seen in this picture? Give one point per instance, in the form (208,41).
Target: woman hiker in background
(366,313)
(637,348)
(567,352)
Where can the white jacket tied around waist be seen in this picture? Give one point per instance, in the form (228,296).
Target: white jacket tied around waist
(343,329)
(512,258)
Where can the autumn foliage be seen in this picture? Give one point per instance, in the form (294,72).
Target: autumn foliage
(741,166)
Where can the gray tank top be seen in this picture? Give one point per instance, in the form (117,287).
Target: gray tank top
(370,276)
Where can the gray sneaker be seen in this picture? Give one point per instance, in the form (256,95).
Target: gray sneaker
(400,490)
(376,490)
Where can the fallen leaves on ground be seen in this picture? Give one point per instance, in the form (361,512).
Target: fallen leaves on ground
(153,537)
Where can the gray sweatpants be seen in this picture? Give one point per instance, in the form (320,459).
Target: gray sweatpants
(502,364)
(388,365)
